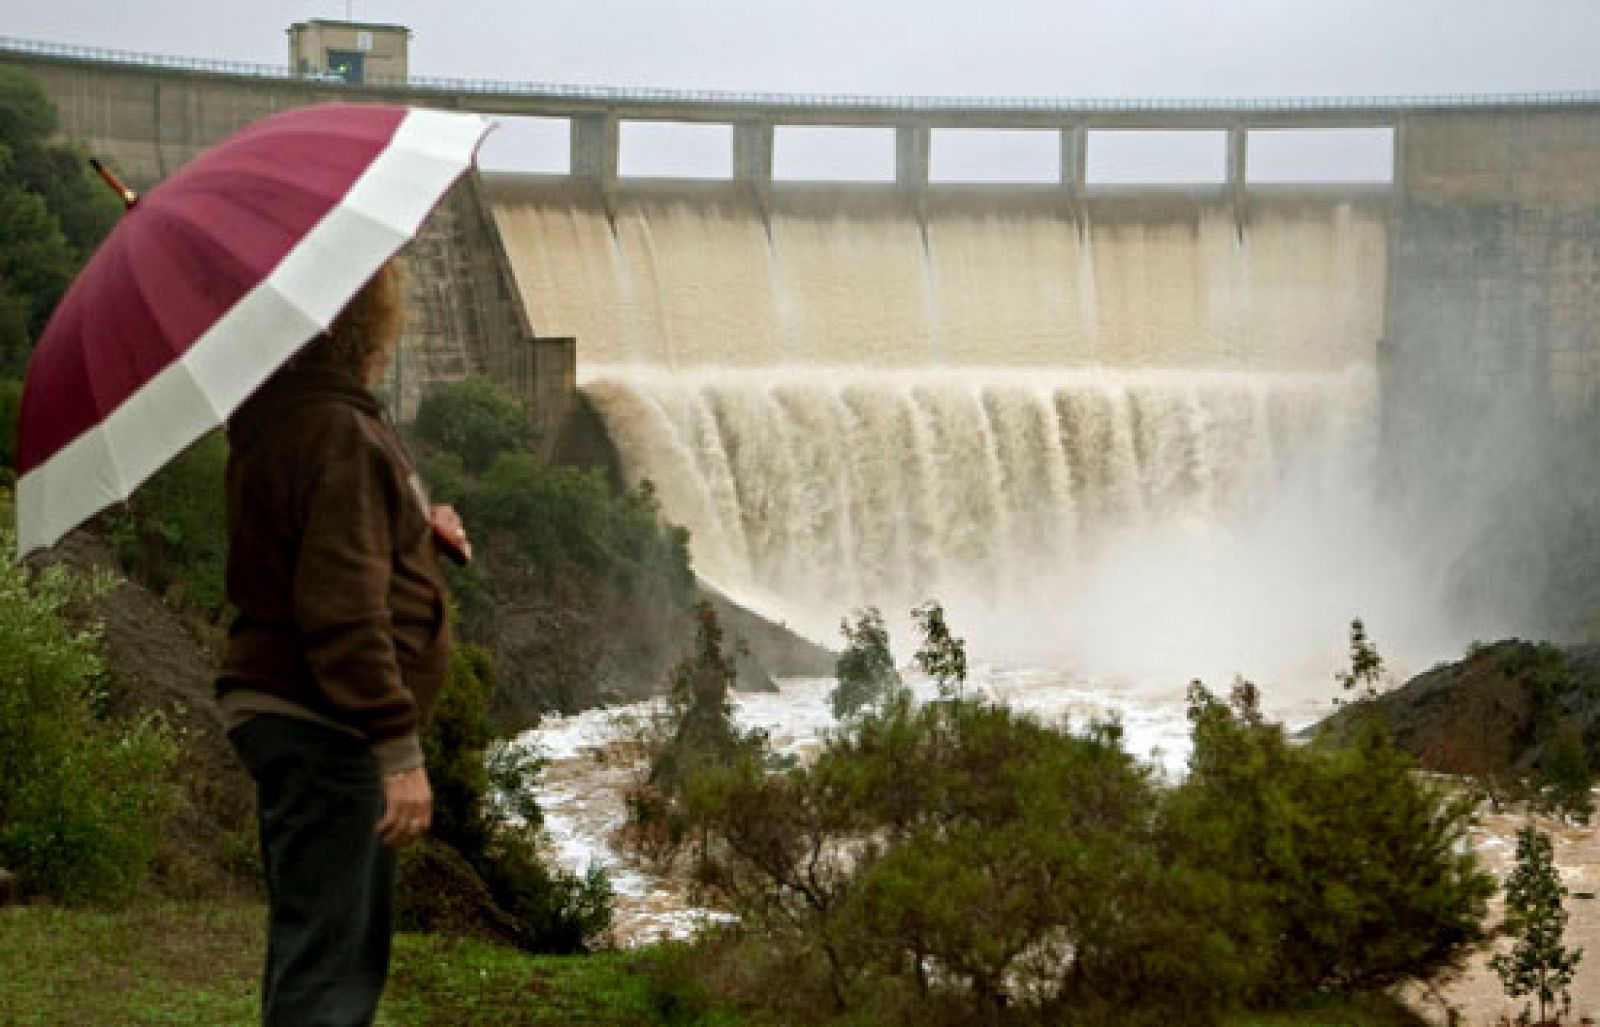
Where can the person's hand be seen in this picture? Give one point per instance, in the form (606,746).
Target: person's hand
(448,529)
(407,807)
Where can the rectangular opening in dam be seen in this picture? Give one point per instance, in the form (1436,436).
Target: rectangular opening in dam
(832,153)
(1320,156)
(1143,157)
(675,149)
(995,155)
(528,145)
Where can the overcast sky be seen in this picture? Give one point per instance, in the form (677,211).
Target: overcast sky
(1084,48)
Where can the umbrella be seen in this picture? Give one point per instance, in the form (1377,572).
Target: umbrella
(208,284)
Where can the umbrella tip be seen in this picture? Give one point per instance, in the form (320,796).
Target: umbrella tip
(128,196)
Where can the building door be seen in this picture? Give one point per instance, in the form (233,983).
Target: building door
(348,65)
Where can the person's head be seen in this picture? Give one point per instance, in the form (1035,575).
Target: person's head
(364,336)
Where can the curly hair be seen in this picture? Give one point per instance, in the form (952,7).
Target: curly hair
(364,335)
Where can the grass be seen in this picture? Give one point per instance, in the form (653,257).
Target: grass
(198,964)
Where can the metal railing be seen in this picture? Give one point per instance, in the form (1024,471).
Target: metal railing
(810,101)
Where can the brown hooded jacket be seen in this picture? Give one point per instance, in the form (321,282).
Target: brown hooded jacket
(332,567)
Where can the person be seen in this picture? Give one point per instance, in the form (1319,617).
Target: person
(335,656)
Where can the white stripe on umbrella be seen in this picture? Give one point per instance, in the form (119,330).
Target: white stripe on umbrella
(299,299)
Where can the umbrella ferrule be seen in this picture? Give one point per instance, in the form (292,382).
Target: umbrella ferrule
(128,196)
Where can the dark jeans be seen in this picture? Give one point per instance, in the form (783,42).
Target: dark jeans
(330,881)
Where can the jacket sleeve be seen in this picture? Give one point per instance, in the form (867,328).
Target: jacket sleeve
(350,514)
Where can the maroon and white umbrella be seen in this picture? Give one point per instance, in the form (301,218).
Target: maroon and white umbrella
(209,283)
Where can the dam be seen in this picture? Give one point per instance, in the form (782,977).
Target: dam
(1100,422)
(849,402)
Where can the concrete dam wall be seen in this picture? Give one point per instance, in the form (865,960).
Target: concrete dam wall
(847,278)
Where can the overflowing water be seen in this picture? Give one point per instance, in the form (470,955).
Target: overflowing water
(1100,520)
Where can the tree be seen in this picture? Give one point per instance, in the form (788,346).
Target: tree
(1537,964)
(865,669)
(51,216)
(1366,666)
(700,725)
(691,746)
(943,656)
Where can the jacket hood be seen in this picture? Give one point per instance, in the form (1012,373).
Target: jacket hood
(295,386)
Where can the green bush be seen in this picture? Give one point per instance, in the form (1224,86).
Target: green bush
(1565,781)
(1350,872)
(475,421)
(82,794)
(958,856)
(10,411)
(956,861)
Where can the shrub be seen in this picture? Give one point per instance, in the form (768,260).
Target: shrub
(473,420)
(82,794)
(51,215)
(582,590)
(1350,872)
(957,856)
(10,411)
(953,862)
(1565,781)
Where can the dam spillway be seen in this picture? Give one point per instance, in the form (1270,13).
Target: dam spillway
(852,403)
(694,282)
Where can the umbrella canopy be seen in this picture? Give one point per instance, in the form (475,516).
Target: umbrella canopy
(208,284)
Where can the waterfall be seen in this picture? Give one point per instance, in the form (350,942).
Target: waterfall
(808,492)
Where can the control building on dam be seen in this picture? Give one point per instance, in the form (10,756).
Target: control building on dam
(1464,269)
